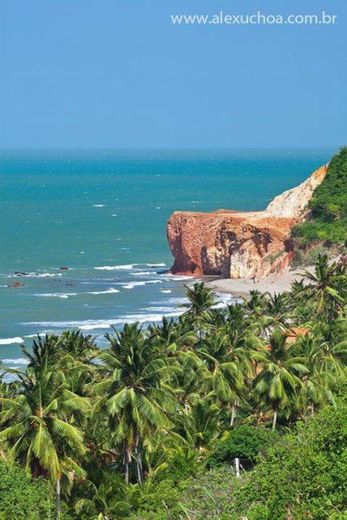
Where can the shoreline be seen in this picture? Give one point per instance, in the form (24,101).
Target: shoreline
(241,287)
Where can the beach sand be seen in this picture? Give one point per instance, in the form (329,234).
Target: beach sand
(276,283)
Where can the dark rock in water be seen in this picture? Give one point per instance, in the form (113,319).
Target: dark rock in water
(163,271)
(63,268)
(21,273)
(15,285)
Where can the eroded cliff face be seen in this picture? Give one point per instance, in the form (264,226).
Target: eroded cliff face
(240,244)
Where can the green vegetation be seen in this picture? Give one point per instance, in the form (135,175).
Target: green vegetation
(150,427)
(23,497)
(328,222)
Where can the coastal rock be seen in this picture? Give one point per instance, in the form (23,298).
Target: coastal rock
(293,203)
(15,285)
(236,244)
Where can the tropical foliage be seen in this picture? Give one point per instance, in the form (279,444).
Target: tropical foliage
(328,222)
(151,426)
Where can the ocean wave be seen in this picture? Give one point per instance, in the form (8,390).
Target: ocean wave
(98,205)
(115,267)
(11,341)
(112,290)
(55,295)
(166,291)
(18,361)
(34,275)
(105,324)
(177,278)
(31,336)
(131,285)
(178,301)
(70,324)
(162,264)
(224,300)
(141,273)
(163,310)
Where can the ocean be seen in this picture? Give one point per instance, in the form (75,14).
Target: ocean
(102,215)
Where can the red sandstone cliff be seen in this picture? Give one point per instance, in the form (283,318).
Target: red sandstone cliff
(240,244)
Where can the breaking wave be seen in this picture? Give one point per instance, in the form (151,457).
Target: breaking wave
(11,341)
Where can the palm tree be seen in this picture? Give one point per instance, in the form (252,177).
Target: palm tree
(38,430)
(200,424)
(326,287)
(317,382)
(277,311)
(228,366)
(256,302)
(80,347)
(134,392)
(277,382)
(201,300)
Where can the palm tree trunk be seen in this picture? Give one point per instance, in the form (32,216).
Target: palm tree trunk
(274,420)
(139,461)
(233,414)
(57,498)
(126,462)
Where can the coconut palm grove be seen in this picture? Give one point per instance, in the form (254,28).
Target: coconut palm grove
(223,413)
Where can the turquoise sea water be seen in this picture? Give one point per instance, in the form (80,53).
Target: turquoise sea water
(103,214)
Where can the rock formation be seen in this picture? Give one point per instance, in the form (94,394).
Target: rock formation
(237,244)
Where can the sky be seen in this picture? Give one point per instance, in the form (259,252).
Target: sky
(120,74)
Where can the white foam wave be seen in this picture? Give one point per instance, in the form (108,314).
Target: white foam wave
(115,267)
(18,361)
(11,341)
(223,300)
(142,273)
(30,336)
(112,290)
(131,285)
(163,310)
(156,265)
(166,291)
(98,205)
(55,295)
(105,324)
(34,275)
(178,301)
(177,278)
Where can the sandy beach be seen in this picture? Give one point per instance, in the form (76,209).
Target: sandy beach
(276,283)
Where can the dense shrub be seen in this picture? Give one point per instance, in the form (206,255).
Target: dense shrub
(328,206)
(244,442)
(22,497)
(303,476)
(206,496)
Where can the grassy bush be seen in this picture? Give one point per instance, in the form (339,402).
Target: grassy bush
(244,442)
(22,497)
(328,206)
(304,476)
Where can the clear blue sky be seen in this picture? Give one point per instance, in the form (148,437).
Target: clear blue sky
(117,73)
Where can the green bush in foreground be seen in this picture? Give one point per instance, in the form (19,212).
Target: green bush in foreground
(304,476)
(22,497)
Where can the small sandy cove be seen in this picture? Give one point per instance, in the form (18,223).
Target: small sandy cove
(276,283)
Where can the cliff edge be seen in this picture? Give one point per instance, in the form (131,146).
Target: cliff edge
(236,244)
